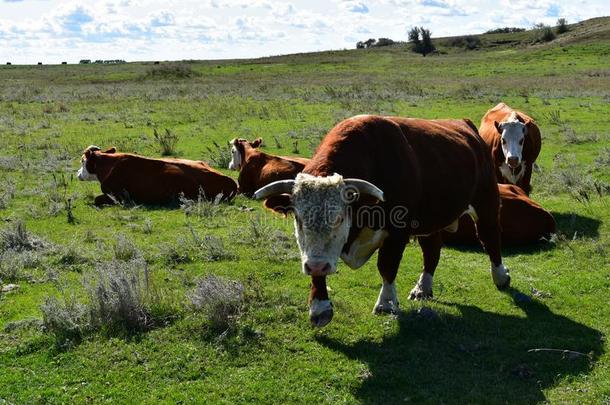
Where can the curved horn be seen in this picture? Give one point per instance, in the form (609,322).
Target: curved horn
(364,187)
(275,188)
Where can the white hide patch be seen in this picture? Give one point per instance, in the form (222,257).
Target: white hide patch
(500,275)
(423,287)
(513,175)
(236,160)
(387,301)
(513,134)
(83,174)
(363,247)
(322,222)
(319,306)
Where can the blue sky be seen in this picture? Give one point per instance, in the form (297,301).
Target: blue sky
(54,31)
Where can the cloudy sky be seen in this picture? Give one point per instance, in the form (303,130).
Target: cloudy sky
(53,31)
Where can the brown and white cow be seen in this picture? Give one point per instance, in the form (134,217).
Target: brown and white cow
(257,168)
(522,221)
(145,180)
(376,181)
(515,142)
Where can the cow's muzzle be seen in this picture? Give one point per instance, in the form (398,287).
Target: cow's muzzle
(513,162)
(318,268)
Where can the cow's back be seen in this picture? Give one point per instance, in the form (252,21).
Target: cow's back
(261,169)
(158,181)
(430,167)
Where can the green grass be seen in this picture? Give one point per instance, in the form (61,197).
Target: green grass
(476,351)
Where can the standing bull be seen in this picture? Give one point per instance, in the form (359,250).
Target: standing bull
(376,181)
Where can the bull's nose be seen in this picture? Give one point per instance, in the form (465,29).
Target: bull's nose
(512,162)
(317,269)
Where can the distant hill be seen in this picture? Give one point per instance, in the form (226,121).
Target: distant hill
(594,29)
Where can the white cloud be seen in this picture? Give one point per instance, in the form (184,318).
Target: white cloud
(52,31)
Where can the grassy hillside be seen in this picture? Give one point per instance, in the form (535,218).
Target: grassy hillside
(470,345)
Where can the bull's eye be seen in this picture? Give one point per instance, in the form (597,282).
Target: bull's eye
(503,141)
(521,141)
(299,222)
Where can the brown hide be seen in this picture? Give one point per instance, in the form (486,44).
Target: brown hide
(155,181)
(432,167)
(522,221)
(531,145)
(259,168)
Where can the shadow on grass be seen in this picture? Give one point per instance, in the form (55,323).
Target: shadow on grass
(477,357)
(570,223)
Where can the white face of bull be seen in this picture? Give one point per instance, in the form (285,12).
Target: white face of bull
(83,174)
(235,163)
(513,135)
(322,221)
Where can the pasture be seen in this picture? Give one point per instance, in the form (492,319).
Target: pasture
(470,344)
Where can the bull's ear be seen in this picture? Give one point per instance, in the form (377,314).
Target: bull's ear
(110,150)
(282,204)
(256,143)
(498,126)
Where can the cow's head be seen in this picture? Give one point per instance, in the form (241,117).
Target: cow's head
(88,161)
(512,132)
(238,151)
(322,215)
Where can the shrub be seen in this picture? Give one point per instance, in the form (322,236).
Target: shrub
(218,156)
(562,26)
(545,33)
(167,141)
(66,318)
(202,208)
(219,300)
(505,30)
(210,248)
(119,295)
(468,42)
(171,71)
(19,239)
(124,249)
(7,193)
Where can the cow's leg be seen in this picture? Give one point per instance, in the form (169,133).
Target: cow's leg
(103,199)
(487,207)
(320,307)
(388,261)
(431,249)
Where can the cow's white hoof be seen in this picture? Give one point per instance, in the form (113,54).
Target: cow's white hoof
(320,313)
(387,302)
(388,307)
(423,287)
(500,276)
(418,293)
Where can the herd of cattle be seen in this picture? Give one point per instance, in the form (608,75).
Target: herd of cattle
(372,184)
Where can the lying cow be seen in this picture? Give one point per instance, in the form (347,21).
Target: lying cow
(522,220)
(151,181)
(257,169)
(514,139)
(422,173)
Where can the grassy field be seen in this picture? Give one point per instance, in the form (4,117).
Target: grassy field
(471,344)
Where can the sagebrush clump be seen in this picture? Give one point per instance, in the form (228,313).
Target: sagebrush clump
(219,300)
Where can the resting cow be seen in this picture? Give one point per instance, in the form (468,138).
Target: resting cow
(126,177)
(515,142)
(522,221)
(257,169)
(376,181)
